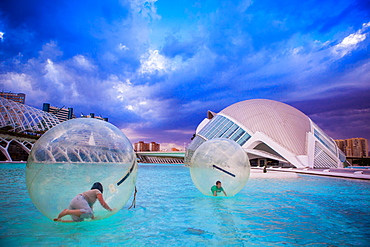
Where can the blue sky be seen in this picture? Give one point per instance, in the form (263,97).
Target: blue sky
(154,68)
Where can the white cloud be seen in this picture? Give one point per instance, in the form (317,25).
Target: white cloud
(351,42)
(53,74)
(82,62)
(61,80)
(16,81)
(139,99)
(75,93)
(297,50)
(50,51)
(43,78)
(23,83)
(123,47)
(1,36)
(153,62)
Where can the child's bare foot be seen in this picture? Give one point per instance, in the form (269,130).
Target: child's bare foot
(63,213)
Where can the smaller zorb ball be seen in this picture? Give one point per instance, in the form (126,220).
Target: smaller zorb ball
(221,160)
(69,158)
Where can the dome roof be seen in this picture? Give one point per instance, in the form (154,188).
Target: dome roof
(22,118)
(284,124)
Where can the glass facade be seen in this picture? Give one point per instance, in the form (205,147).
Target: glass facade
(325,140)
(328,142)
(342,156)
(218,127)
(221,127)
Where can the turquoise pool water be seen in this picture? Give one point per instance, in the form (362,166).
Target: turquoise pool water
(302,211)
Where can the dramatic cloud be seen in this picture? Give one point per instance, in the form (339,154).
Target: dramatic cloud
(154,68)
(351,42)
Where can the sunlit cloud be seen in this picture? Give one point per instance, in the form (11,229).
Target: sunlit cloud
(54,74)
(351,42)
(153,62)
(138,99)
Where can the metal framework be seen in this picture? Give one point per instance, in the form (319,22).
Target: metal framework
(79,154)
(22,118)
(6,141)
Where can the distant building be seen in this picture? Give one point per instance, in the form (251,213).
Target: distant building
(144,147)
(92,115)
(341,145)
(154,146)
(63,114)
(141,146)
(16,97)
(354,147)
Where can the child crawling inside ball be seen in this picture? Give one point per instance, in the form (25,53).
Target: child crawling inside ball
(81,205)
(217,189)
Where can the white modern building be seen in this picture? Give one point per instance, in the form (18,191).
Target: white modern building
(270,130)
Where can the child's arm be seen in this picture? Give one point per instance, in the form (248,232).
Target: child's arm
(103,203)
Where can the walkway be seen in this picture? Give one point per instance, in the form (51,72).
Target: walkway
(352,173)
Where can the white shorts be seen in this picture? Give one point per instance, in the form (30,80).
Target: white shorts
(79,202)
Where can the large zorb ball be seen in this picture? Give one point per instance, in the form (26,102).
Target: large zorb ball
(73,155)
(220,160)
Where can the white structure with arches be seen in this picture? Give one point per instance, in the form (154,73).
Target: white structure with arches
(20,118)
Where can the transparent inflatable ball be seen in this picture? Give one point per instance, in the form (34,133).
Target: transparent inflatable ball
(220,160)
(69,158)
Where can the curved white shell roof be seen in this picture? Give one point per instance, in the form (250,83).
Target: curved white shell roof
(284,124)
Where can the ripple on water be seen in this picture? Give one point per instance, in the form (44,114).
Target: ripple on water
(280,211)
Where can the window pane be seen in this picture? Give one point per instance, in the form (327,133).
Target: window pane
(237,134)
(244,139)
(216,128)
(227,125)
(230,131)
